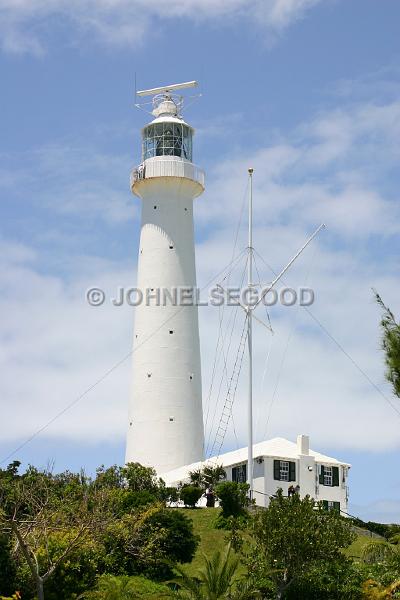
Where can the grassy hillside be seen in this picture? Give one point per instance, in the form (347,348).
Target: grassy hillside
(210,539)
(215,539)
(355,550)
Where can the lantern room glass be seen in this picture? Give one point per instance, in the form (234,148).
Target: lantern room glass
(167,139)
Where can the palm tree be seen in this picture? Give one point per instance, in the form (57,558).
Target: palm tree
(213,475)
(208,476)
(216,581)
(379,551)
(197,477)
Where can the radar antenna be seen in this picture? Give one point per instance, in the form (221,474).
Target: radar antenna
(164,99)
(168,88)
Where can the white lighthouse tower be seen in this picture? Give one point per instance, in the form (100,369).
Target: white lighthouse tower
(165,418)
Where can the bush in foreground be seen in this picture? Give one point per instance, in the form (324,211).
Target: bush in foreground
(190,495)
(292,537)
(233,499)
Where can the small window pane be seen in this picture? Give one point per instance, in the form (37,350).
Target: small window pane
(328,476)
(284,470)
(239,473)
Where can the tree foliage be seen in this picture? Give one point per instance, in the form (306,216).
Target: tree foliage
(291,535)
(147,541)
(160,538)
(36,507)
(65,529)
(327,580)
(140,478)
(390,345)
(233,499)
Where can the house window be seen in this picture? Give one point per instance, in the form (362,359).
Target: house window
(284,470)
(331,505)
(329,476)
(239,473)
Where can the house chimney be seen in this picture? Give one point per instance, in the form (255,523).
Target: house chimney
(303,444)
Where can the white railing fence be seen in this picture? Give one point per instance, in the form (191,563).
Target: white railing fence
(167,168)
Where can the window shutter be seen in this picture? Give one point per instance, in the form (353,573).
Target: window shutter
(325,504)
(234,474)
(321,475)
(277,469)
(336,506)
(335,476)
(292,471)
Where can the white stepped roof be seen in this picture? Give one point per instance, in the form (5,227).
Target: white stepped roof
(276,448)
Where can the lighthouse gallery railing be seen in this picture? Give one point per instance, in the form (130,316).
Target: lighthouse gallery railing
(167,168)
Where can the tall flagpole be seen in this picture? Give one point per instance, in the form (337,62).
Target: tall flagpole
(250,340)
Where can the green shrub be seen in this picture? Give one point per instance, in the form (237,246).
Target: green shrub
(169,494)
(76,573)
(290,537)
(335,580)
(136,499)
(233,499)
(164,537)
(149,543)
(190,495)
(141,478)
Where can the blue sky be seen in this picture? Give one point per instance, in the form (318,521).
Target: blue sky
(307,92)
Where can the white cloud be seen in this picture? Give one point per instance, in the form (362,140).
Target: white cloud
(322,172)
(80,181)
(52,351)
(26,23)
(280,13)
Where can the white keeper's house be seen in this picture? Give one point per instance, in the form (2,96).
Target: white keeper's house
(279,463)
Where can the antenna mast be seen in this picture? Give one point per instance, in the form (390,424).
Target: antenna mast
(250,341)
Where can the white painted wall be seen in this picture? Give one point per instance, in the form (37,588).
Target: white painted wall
(165,418)
(266,486)
(307,477)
